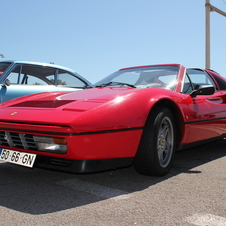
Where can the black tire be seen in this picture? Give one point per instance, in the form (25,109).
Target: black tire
(158,143)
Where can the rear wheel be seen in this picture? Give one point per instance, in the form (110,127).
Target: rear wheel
(158,143)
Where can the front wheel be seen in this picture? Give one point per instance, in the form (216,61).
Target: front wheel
(158,143)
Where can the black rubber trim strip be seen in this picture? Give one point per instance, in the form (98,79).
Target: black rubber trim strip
(207,120)
(72,134)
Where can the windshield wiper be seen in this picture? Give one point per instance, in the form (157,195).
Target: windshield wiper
(116,83)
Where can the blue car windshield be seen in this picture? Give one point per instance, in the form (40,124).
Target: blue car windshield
(143,77)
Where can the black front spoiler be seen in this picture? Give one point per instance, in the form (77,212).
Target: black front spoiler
(81,166)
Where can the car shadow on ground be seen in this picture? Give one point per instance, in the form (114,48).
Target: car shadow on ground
(39,191)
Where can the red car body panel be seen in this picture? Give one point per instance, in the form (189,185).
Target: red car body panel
(107,122)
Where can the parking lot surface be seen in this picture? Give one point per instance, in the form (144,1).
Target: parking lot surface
(193,193)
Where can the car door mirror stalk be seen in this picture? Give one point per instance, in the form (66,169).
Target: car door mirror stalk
(6,82)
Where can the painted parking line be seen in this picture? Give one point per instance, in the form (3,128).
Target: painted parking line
(95,189)
(207,220)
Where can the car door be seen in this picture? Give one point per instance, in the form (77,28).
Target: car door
(206,117)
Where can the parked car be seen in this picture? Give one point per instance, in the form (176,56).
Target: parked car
(137,115)
(20,78)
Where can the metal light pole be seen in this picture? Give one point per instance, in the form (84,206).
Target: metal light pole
(208,33)
(210,8)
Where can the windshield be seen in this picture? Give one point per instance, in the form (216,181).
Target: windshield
(143,77)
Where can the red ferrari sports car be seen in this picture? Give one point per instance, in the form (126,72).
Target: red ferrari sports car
(137,115)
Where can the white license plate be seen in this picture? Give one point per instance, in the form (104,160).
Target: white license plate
(16,157)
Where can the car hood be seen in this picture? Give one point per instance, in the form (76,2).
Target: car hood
(60,100)
(95,109)
(54,105)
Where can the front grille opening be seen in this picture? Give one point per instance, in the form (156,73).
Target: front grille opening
(17,140)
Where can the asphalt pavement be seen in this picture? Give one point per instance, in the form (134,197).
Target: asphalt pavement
(193,193)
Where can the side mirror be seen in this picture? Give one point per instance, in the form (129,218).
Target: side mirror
(6,83)
(203,90)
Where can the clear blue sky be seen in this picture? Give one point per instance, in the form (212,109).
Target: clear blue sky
(98,37)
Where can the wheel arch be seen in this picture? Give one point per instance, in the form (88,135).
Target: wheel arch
(177,115)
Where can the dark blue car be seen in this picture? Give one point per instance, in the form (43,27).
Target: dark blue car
(20,78)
